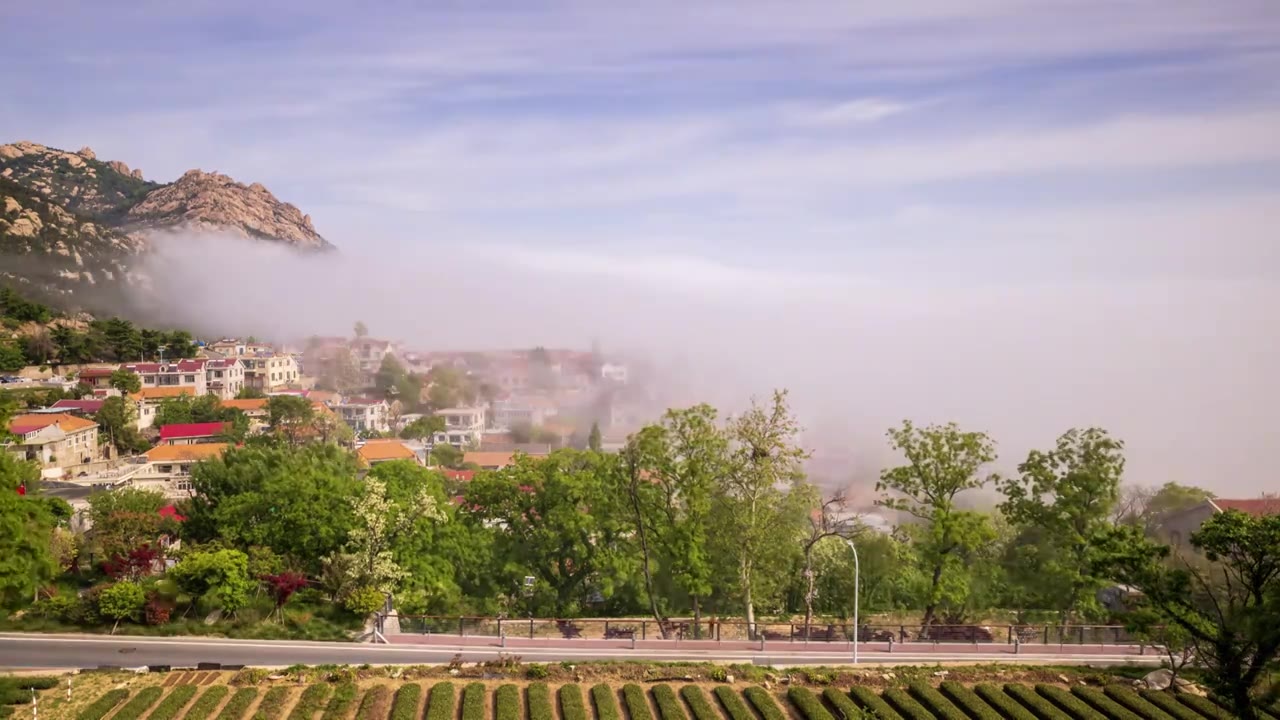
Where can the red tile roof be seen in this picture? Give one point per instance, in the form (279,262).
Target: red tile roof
(90,372)
(459,475)
(192,430)
(1257,507)
(85,406)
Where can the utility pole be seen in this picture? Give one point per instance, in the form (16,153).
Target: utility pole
(857,573)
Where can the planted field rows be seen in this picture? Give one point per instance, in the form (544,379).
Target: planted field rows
(663,701)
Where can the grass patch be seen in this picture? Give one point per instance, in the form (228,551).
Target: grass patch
(697,701)
(808,703)
(238,704)
(311,702)
(1040,707)
(1205,707)
(538,697)
(732,703)
(1070,704)
(103,705)
(871,702)
(440,702)
(906,705)
(1170,705)
(967,700)
(173,702)
(473,701)
(140,703)
(377,701)
(571,707)
(935,702)
(405,706)
(605,701)
(1103,704)
(506,703)
(344,696)
(272,705)
(668,704)
(762,701)
(207,703)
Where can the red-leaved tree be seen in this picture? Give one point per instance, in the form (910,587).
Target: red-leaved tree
(282,586)
(138,563)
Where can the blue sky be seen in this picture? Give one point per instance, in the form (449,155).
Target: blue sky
(1106,172)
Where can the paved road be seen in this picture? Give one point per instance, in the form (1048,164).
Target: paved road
(19,650)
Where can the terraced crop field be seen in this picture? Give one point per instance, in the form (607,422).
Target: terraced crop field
(206,696)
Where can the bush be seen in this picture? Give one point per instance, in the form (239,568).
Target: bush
(935,702)
(311,702)
(605,701)
(718,674)
(1170,705)
(440,702)
(378,699)
(536,671)
(58,607)
(1042,708)
(1103,704)
(173,702)
(571,707)
(122,601)
(845,709)
(506,703)
(1074,706)
(364,601)
(473,701)
(344,696)
(1205,707)
(697,701)
(139,704)
(157,610)
(238,704)
(405,706)
(1129,699)
(906,705)
(206,703)
(103,705)
(272,705)
(964,698)
(732,704)
(1008,708)
(763,702)
(872,702)
(633,697)
(808,703)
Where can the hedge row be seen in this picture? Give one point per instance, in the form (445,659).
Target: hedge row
(440,702)
(103,705)
(763,702)
(539,699)
(964,698)
(870,701)
(139,704)
(206,703)
(1042,708)
(1103,704)
(1131,701)
(935,702)
(473,701)
(339,707)
(731,701)
(173,702)
(1205,707)
(571,706)
(1070,704)
(377,701)
(506,703)
(311,702)
(697,701)
(1170,704)
(807,703)
(405,706)
(902,701)
(1008,708)
(272,705)
(238,704)
(668,704)
(604,699)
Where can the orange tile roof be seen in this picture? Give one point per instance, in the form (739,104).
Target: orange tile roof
(489,459)
(171,453)
(380,450)
(163,393)
(68,423)
(1258,507)
(246,405)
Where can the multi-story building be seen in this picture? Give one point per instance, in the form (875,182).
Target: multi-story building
(183,373)
(365,414)
(147,402)
(58,442)
(463,427)
(270,372)
(522,411)
(97,377)
(224,377)
(193,433)
(368,353)
(614,372)
(167,468)
(231,347)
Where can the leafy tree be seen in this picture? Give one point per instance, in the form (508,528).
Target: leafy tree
(827,521)
(290,417)
(39,347)
(13,305)
(380,524)
(117,419)
(942,462)
(361,330)
(26,528)
(178,344)
(1226,600)
(1064,499)
(446,455)
(187,409)
(11,357)
(282,586)
(1149,508)
(122,601)
(125,381)
(128,518)
(151,341)
(447,387)
(594,439)
(137,564)
(220,576)
(423,428)
(250,393)
(123,341)
(395,383)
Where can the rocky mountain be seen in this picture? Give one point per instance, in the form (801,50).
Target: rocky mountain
(72,220)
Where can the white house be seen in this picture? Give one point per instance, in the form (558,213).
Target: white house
(463,427)
(365,414)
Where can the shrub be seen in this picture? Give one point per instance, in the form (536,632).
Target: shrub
(1103,704)
(718,674)
(905,704)
(763,702)
(969,702)
(1042,708)
(103,705)
(538,696)
(732,703)
(272,705)
(872,702)
(935,702)
(845,709)
(344,696)
(173,702)
(1072,705)
(311,702)
(377,700)
(157,610)
(440,701)
(1205,707)
(571,707)
(238,704)
(605,701)
(473,701)
(405,706)
(697,701)
(206,703)
(1009,708)
(637,707)
(364,601)
(536,671)
(668,704)
(139,704)
(122,601)
(807,703)
(506,703)
(1130,700)
(27,684)
(1170,705)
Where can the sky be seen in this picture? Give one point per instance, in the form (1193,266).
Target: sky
(1022,216)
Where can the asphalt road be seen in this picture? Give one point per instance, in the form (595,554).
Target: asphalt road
(19,650)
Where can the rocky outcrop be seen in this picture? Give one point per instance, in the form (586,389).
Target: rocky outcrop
(212,201)
(78,181)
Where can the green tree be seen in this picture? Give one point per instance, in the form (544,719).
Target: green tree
(446,455)
(1149,508)
(39,347)
(12,358)
(594,439)
(221,577)
(1226,598)
(122,601)
(942,462)
(117,420)
(125,381)
(381,521)
(291,417)
(361,330)
(125,519)
(1063,499)
(26,530)
(250,393)
(187,409)
(423,428)
(123,341)
(13,305)
(178,345)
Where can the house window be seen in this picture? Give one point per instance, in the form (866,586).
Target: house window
(190,379)
(184,485)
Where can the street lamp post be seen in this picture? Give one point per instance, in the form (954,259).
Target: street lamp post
(857,573)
